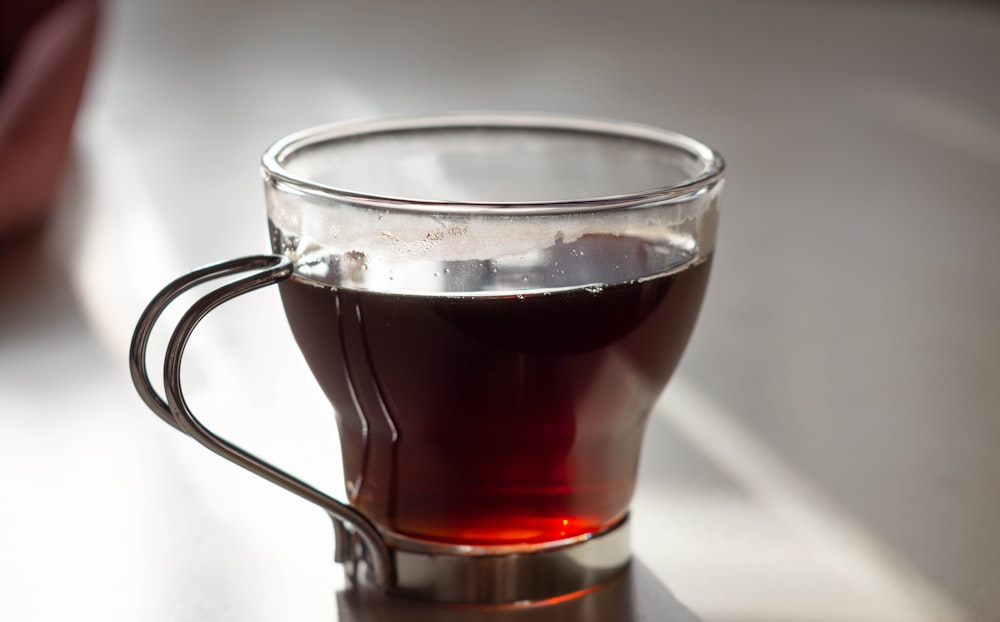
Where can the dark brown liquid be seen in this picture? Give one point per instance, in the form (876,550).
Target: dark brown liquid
(494,419)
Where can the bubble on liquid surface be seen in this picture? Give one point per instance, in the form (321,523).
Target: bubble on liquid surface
(594,289)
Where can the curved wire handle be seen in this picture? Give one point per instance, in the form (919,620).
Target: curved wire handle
(175,411)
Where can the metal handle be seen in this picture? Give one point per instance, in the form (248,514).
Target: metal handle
(268,269)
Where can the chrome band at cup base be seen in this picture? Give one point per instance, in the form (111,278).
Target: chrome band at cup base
(502,578)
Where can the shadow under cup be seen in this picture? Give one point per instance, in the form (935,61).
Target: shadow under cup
(492,304)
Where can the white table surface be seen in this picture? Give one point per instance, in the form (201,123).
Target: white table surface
(827,452)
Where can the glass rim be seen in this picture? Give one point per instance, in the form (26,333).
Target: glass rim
(711,163)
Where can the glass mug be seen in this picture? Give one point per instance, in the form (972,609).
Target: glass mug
(492,303)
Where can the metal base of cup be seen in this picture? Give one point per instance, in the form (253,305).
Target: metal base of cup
(504,577)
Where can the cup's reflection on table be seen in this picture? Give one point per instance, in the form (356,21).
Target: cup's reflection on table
(492,303)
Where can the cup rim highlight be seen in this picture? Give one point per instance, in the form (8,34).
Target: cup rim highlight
(711,163)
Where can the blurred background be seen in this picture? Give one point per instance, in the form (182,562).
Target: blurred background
(827,451)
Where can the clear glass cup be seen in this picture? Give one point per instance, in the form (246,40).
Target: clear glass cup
(492,303)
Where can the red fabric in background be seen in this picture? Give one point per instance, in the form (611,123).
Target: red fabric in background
(45,52)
